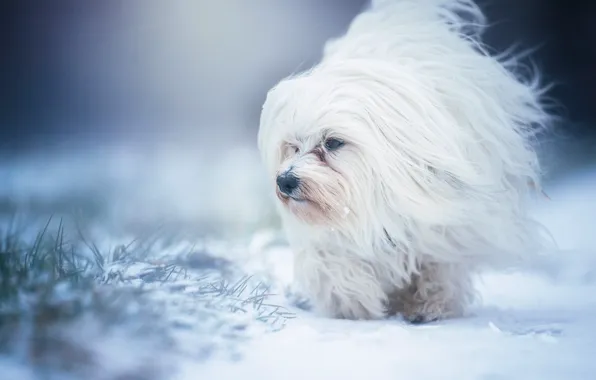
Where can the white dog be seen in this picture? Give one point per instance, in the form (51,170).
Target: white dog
(403,163)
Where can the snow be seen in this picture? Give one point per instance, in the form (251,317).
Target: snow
(537,324)
(529,326)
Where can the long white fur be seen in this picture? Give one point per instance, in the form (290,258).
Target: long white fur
(434,180)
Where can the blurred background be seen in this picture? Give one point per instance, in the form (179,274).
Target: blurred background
(147,111)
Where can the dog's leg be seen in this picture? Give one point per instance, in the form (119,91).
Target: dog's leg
(342,287)
(439,291)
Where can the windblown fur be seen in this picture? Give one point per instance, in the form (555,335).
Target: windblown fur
(412,151)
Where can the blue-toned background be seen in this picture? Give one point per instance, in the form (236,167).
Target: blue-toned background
(102,68)
(155,103)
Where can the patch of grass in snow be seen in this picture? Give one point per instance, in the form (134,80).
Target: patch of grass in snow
(64,301)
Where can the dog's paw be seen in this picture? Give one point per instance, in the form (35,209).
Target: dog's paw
(298,300)
(402,306)
(420,319)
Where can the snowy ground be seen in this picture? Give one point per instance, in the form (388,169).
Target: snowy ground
(224,314)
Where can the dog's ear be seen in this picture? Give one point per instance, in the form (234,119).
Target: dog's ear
(447,132)
(269,136)
(416,148)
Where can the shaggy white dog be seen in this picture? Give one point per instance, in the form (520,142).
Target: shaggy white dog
(403,163)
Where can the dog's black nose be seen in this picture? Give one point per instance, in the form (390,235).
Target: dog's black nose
(287,183)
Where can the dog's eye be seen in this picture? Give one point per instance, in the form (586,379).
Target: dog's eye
(333,144)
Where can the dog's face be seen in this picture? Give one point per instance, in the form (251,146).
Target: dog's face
(311,180)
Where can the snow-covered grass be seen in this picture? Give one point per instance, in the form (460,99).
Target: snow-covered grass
(70,308)
(105,292)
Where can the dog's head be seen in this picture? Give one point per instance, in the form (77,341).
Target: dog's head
(365,141)
(334,143)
